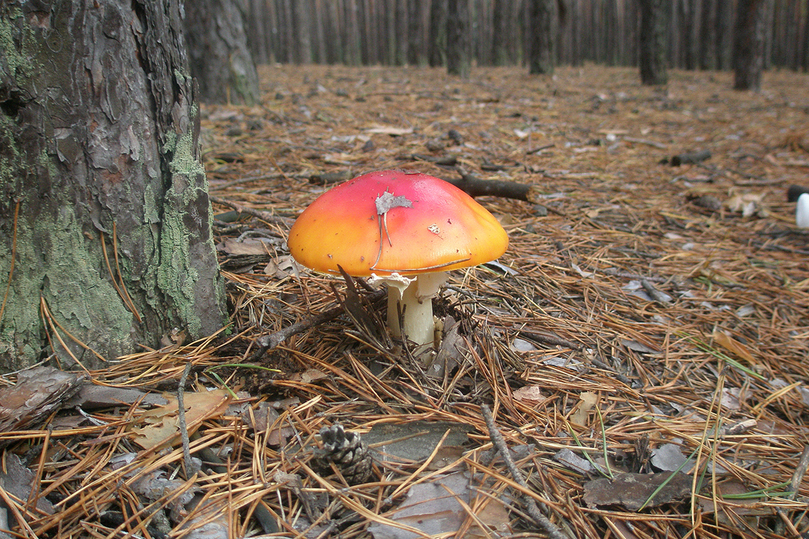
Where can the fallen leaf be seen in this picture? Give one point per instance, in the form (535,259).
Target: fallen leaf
(521,345)
(587,400)
(633,490)
(573,462)
(249,246)
(162,425)
(439,507)
(18,480)
(668,458)
(734,347)
(528,393)
(415,440)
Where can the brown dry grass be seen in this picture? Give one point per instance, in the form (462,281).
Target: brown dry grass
(729,347)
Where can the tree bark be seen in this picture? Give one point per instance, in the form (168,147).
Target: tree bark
(652,43)
(105,238)
(748,50)
(458,39)
(217,48)
(543,39)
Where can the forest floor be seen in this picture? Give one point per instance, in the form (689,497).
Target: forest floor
(643,344)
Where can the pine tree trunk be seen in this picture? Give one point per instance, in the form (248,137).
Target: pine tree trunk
(105,235)
(542,27)
(748,50)
(458,39)
(652,43)
(218,55)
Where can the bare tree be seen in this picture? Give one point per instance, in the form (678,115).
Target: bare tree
(105,219)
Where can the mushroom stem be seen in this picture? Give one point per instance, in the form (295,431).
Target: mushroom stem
(417,304)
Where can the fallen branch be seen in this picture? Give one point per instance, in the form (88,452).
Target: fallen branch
(530,504)
(690,158)
(477,187)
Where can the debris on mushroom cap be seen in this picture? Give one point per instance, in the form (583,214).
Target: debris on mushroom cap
(395,222)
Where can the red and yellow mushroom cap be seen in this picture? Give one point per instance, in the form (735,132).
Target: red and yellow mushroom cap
(395,222)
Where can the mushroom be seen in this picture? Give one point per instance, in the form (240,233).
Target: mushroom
(802,211)
(405,229)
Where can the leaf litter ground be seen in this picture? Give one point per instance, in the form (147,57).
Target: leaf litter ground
(642,344)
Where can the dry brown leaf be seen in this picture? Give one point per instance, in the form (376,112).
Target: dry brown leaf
(162,424)
(734,347)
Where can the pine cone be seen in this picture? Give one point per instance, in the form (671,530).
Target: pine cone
(345,451)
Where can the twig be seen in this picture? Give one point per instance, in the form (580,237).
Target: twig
(620,377)
(794,486)
(800,471)
(539,149)
(530,504)
(190,468)
(549,339)
(654,293)
(263,215)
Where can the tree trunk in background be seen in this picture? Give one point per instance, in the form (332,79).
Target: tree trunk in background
(482,35)
(319,32)
(691,35)
(724,35)
(303,34)
(708,38)
(218,55)
(351,34)
(401,32)
(652,42)
(414,37)
(105,213)
(805,61)
(542,26)
(458,39)
(438,33)
(504,30)
(748,50)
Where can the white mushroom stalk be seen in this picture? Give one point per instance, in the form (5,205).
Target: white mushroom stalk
(413,297)
(802,211)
